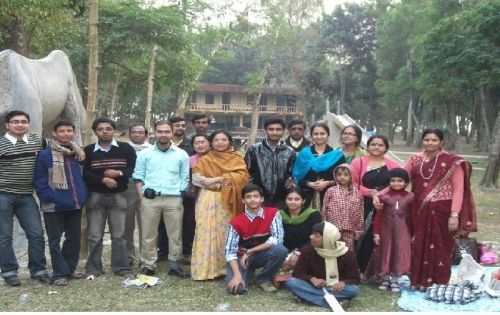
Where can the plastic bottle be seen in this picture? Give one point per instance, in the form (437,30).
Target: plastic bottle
(23,298)
(223,307)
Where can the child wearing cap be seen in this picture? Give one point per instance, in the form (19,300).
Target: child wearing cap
(391,230)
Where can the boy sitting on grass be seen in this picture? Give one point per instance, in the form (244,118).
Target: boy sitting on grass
(254,240)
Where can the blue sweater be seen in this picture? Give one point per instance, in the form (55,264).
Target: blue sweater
(59,200)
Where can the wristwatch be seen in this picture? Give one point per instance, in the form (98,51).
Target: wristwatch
(248,253)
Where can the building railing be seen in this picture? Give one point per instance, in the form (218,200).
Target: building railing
(244,109)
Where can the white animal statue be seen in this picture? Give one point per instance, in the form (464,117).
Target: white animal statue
(46,89)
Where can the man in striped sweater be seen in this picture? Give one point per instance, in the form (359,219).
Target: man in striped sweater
(107,169)
(18,151)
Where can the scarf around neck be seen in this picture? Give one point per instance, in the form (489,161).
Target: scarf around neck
(332,248)
(301,218)
(58,152)
(306,161)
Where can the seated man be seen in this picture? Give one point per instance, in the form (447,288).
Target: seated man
(254,240)
(325,256)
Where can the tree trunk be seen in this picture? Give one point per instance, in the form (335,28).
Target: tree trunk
(91,103)
(451,130)
(114,96)
(18,37)
(409,126)
(490,178)
(93,70)
(485,132)
(254,124)
(149,97)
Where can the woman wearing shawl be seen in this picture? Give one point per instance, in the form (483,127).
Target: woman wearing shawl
(326,262)
(444,206)
(221,174)
(313,169)
(350,137)
(298,222)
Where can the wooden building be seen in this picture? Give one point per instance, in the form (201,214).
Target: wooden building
(230,106)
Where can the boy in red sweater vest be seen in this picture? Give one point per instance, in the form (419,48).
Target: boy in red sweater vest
(254,240)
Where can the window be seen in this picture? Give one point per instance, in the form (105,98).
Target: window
(250,99)
(209,99)
(263,99)
(280,100)
(291,101)
(226,98)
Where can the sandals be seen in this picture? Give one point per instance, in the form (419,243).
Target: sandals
(395,287)
(384,285)
(77,275)
(61,282)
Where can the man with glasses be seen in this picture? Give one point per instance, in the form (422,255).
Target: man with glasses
(296,139)
(18,151)
(107,169)
(138,139)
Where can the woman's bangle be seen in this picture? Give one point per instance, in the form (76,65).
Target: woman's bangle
(453,215)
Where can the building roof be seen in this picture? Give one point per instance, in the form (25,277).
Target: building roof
(234,88)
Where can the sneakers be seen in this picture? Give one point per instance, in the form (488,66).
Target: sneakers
(148,272)
(43,278)
(268,287)
(13,281)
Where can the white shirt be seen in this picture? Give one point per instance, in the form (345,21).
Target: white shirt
(14,139)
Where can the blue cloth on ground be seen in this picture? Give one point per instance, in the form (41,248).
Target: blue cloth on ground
(414,301)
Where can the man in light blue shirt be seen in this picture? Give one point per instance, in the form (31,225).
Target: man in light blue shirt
(161,174)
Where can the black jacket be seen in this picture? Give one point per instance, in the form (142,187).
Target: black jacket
(270,169)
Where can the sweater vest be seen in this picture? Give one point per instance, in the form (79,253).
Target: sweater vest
(253,233)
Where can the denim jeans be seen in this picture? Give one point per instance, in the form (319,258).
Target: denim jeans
(65,260)
(311,294)
(26,210)
(269,260)
(110,207)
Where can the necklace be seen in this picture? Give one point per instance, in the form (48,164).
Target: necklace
(432,170)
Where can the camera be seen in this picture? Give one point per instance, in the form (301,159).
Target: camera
(149,193)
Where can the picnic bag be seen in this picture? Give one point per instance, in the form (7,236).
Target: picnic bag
(466,245)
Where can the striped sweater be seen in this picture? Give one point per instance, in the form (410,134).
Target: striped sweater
(17,164)
(121,158)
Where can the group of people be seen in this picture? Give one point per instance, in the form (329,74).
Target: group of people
(308,215)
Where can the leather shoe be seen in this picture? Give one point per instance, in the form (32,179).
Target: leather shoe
(148,272)
(13,281)
(179,273)
(43,279)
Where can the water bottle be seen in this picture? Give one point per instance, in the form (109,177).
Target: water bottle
(23,298)
(223,307)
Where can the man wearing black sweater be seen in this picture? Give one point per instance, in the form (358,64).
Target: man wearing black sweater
(108,166)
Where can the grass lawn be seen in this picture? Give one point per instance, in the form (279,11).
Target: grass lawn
(107,294)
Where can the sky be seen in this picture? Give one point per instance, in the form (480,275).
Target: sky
(239,5)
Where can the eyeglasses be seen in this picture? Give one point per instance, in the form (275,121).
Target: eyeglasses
(349,134)
(104,129)
(19,122)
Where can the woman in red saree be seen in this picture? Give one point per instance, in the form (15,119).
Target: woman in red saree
(443,206)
